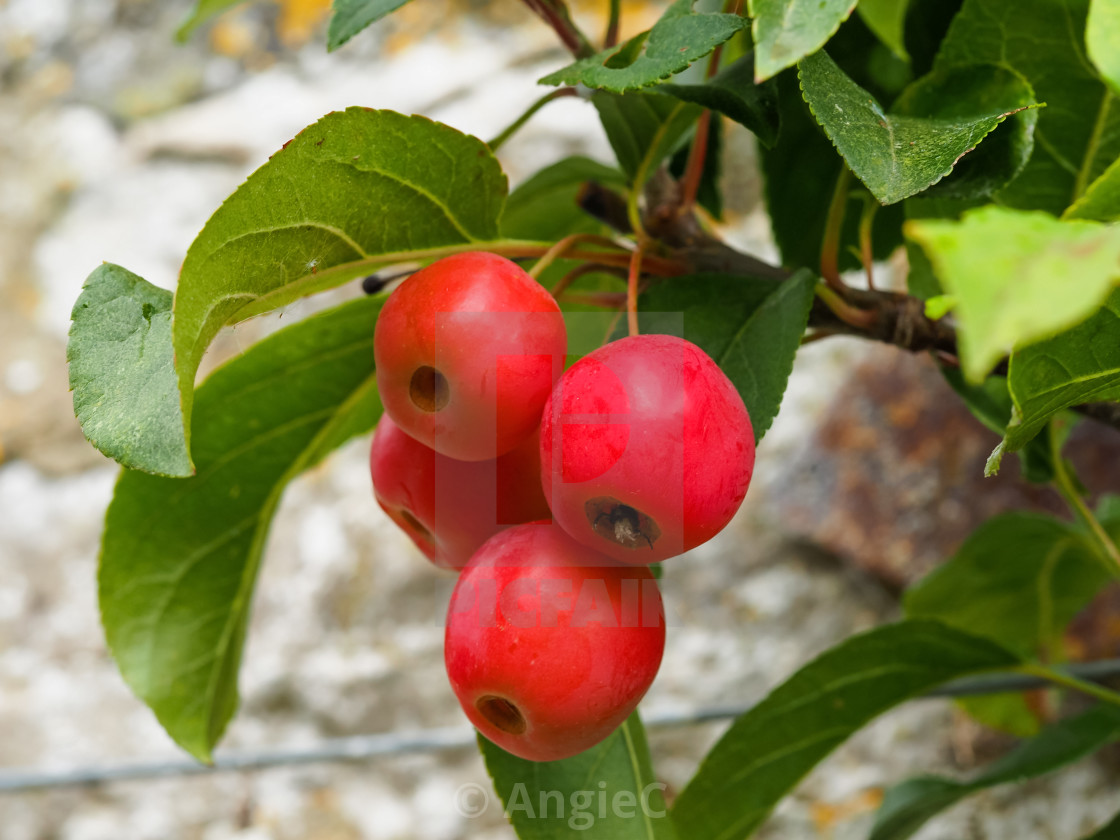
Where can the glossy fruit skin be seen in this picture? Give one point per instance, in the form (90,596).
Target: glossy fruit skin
(566,637)
(449,508)
(646,449)
(490,338)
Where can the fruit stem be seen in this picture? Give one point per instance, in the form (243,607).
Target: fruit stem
(834,223)
(514,126)
(632,292)
(862,318)
(697,154)
(566,281)
(564,245)
(1066,487)
(607,300)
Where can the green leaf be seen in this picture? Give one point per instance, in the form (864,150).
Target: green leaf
(909,805)
(1102,38)
(785,31)
(1078,133)
(609,788)
(1079,365)
(1109,831)
(1101,201)
(356,185)
(352,16)
(734,93)
(990,402)
(1005,268)
(679,38)
(800,175)
(771,747)
(643,128)
(545,207)
(752,328)
(887,18)
(1018,579)
(202,11)
(899,155)
(960,91)
(126,395)
(179,557)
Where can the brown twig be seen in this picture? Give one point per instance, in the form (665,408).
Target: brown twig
(892,317)
(555,14)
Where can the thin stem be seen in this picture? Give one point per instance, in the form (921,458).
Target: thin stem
(632,292)
(524,118)
(862,318)
(866,251)
(1082,180)
(607,300)
(830,245)
(611,38)
(564,245)
(1066,680)
(1064,482)
(565,282)
(694,169)
(698,152)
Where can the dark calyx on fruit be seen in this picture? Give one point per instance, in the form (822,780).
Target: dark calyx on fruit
(620,523)
(428,389)
(502,713)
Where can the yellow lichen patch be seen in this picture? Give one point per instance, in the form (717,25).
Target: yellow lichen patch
(233,36)
(300,20)
(826,815)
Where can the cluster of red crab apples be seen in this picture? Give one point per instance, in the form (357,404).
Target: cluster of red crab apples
(550,491)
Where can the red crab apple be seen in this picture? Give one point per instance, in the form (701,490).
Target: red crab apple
(549,646)
(467,350)
(646,449)
(447,507)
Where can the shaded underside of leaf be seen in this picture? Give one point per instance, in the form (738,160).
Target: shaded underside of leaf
(1004,267)
(1077,366)
(1043,41)
(179,557)
(771,747)
(122,373)
(800,175)
(356,184)
(679,38)
(643,127)
(352,16)
(785,31)
(909,805)
(551,800)
(899,155)
(734,93)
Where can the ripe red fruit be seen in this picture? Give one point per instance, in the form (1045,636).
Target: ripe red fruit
(449,508)
(646,449)
(467,350)
(549,646)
